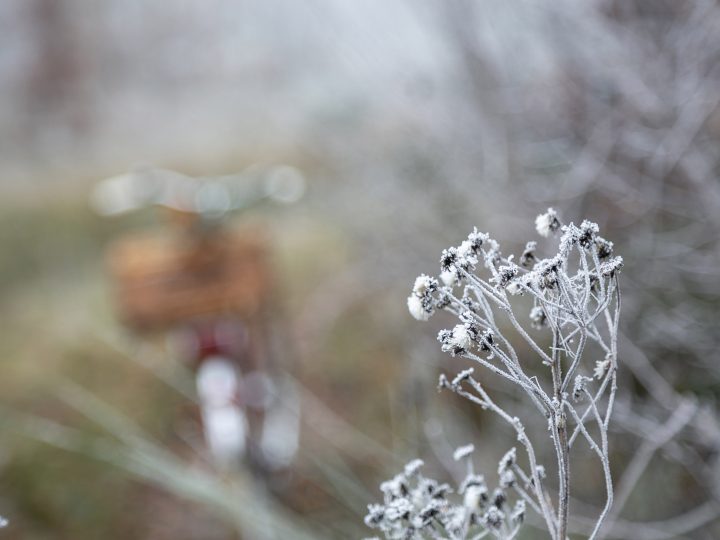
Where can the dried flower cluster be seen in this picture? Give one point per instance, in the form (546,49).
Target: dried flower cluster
(574,318)
(418,507)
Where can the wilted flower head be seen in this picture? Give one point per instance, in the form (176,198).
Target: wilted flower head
(547,223)
(537,316)
(420,302)
(456,341)
(417,309)
(528,255)
(417,507)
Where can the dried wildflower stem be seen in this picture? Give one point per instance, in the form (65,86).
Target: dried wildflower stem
(576,297)
(486,402)
(604,459)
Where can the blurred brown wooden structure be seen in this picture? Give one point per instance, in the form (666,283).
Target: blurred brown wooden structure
(164,278)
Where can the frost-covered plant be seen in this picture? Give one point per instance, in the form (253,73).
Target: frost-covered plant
(575,304)
(419,507)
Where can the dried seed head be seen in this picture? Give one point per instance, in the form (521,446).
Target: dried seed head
(537,317)
(547,223)
(448,259)
(528,255)
(418,309)
(604,247)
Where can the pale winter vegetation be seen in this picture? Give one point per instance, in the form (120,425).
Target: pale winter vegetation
(458,112)
(575,300)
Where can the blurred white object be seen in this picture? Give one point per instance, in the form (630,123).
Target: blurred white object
(281,429)
(285,184)
(224,422)
(210,196)
(115,195)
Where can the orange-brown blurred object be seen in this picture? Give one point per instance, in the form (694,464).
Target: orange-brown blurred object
(165,278)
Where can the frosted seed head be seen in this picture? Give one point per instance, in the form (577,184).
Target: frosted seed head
(547,223)
(528,255)
(417,309)
(494,517)
(448,258)
(455,341)
(537,317)
(588,232)
(424,284)
(514,288)
(448,278)
(507,479)
(604,247)
(474,497)
(477,239)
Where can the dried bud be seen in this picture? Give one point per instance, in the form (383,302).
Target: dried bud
(547,223)
(528,256)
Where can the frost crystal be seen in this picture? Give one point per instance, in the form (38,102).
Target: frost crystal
(611,267)
(448,278)
(601,367)
(528,255)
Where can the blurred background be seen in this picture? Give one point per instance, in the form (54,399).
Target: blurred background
(405,124)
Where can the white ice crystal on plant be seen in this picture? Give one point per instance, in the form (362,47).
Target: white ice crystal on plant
(420,303)
(514,287)
(537,317)
(461,337)
(422,284)
(413,467)
(448,278)
(416,309)
(547,223)
(601,366)
(463,452)
(473,496)
(456,341)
